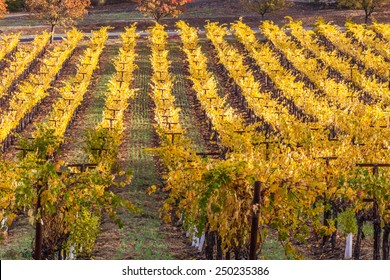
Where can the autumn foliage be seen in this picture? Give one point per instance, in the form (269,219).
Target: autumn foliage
(3,8)
(58,12)
(159,9)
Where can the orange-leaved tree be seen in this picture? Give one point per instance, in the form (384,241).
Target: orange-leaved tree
(3,8)
(58,12)
(159,9)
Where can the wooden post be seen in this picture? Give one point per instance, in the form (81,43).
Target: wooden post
(358,244)
(377,232)
(388,78)
(255,222)
(327,204)
(351,72)
(334,234)
(376,216)
(385,243)
(377,225)
(219,248)
(38,228)
(210,243)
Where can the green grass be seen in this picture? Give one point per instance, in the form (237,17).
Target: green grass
(111,16)
(19,250)
(141,237)
(10,22)
(368,230)
(145,241)
(272,250)
(141,128)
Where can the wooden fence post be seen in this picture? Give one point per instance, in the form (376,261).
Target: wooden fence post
(255,222)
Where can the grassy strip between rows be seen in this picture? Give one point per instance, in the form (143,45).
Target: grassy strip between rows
(141,237)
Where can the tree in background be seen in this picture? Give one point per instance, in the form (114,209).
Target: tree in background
(14,5)
(263,7)
(369,6)
(58,12)
(3,8)
(159,9)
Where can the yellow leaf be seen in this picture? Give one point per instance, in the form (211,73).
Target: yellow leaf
(151,190)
